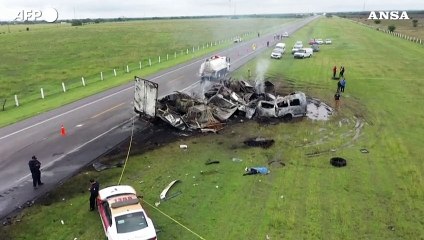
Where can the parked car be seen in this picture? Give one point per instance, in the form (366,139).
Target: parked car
(122,215)
(328,41)
(312,42)
(315,47)
(319,41)
(298,44)
(303,53)
(238,39)
(285,34)
(276,53)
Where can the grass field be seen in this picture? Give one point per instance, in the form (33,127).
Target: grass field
(378,195)
(48,55)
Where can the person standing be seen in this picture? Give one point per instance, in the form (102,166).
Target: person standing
(94,192)
(334,72)
(342,84)
(34,167)
(337,100)
(342,70)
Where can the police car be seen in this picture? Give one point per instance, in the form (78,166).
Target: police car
(122,215)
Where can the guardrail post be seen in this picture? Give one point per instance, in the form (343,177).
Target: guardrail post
(114,72)
(83,81)
(139,63)
(150,62)
(101,76)
(42,93)
(128,69)
(159,59)
(16,100)
(63,87)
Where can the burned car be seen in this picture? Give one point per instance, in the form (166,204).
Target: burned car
(208,113)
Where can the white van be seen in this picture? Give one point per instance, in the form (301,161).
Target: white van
(281,46)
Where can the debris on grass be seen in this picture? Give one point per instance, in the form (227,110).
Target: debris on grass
(259,142)
(338,162)
(210,161)
(183,146)
(256,170)
(237,160)
(364,150)
(165,191)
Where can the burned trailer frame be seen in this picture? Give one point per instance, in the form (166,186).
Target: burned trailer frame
(145,97)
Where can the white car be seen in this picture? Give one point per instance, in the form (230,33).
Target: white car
(286,34)
(319,41)
(298,44)
(238,39)
(303,53)
(276,53)
(122,215)
(328,41)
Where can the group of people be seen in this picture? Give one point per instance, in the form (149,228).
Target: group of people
(341,84)
(35,168)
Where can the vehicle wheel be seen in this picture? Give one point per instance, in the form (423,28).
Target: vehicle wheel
(288,117)
(338,162)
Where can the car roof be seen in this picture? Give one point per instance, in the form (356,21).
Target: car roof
(115,190)
(124,204)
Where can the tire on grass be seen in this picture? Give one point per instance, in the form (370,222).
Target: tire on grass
(338,162)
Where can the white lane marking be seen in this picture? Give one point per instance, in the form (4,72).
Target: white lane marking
(72,151)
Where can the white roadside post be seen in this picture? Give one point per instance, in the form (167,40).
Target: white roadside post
(101,76)
(83,81)
(128,69)
(16,100)
(167,57)
(139,63)
(187,50)
(203,46)
(175,54)
(159,59)
(198,48)
(114,72)
(42,93)
(193,49)
(150,62)
(63,87)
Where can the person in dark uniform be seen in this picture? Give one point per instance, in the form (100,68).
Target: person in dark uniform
(34,167)
(337,100)
(94,192)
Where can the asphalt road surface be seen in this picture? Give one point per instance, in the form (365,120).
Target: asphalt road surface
(94,125)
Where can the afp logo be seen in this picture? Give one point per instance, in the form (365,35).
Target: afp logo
(49,15)
(392,15)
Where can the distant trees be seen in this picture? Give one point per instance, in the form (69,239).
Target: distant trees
(76,23)
(377,21)
(391,28)
(415,22)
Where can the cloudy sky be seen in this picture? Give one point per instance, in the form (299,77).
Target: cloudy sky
(67,9)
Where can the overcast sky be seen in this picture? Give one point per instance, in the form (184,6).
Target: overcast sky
(67,9)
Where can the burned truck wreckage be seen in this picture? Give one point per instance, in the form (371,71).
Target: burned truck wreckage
(220,102)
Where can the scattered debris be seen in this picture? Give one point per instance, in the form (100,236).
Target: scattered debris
(364,150)
(338,162)
(182,146)
(391,228)
(165,191)
(256,170)
(259,142)
(237,160)
(98,166)
(317,110)
(61,221)
(210,172)
(209,161)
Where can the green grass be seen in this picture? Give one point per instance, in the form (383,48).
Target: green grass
(306,199)
(50,54)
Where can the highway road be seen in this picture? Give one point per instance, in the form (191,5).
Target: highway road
(94,125)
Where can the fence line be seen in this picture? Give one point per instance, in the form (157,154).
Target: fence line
(393,33)
(71,84)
